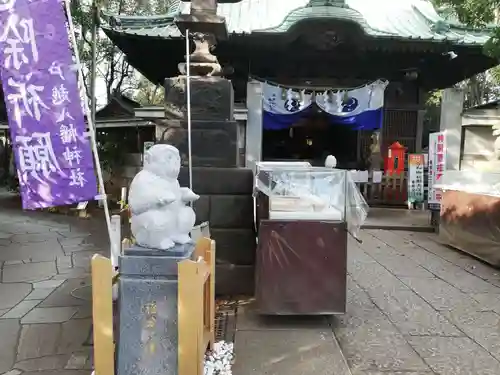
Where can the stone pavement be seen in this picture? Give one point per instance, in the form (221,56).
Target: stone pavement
(414,307)
(45,310)
(398,219)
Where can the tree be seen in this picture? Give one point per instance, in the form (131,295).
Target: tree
(477,13)
(149,94)
(483,87)
(113,70)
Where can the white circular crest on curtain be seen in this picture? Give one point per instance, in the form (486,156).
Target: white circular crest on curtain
(282,101)
(352,102)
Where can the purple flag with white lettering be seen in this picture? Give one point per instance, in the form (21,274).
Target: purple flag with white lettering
(40,84)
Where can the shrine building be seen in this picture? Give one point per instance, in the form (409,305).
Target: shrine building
(310,47)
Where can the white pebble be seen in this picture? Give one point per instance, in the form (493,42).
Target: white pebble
(219,361)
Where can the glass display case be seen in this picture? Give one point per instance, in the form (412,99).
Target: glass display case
(300,192)
(304,215)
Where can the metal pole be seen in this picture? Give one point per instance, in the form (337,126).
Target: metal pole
(188,104)
(90,122)
(93,66)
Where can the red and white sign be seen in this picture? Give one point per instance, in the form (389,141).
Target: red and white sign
(437,165)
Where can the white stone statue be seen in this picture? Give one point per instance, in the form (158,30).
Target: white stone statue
(161,216)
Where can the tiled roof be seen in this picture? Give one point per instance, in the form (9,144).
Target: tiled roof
(399,19)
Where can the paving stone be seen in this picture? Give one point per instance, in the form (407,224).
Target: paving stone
(69,250)
(40,252)
(393,373)
(370,341)
(73,240)
(4,235)
(482,327)
(4,242)
(83,312)
(60,277)
(410,249)
(495,282)
(250,320)
(412,315)
(455,356)
(28,272)
(65,294)
(39,293)
(464,280)
(47,284)
(268,352)
(375,277)
(375,247)
(12,294)
(72,273)
(355,253)
(32,238)
(464,261)
(51,362)
(12,372)
(49,315)
(441,295)
(359,309)
(488,301)
(42,256)
(74,334)
(79,361)
(82,258)
(64,262)
(401,265)
(376,344)
(21,309)
(63,372)
(38,340)
(9,331)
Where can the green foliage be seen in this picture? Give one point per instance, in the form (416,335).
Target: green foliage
(483,87)
(476,13)
(149,94)
(434,98)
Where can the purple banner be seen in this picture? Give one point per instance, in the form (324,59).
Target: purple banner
(39,78)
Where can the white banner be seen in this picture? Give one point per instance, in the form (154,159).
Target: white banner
(437,165)
(283,101)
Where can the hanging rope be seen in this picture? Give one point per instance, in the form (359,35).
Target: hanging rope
(316,89)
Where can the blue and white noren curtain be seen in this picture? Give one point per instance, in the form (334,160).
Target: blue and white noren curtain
(360,108)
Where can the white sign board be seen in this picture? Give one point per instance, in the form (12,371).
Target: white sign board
(437,165)
(416,178)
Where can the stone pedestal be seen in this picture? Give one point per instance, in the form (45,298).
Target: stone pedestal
(214,133)
(148,310)
(225,189)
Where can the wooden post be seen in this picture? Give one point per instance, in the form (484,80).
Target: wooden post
(102,315)
(196,304)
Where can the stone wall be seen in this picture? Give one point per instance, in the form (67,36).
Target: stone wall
(226,202)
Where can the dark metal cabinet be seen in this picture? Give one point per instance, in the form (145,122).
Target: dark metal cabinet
(301,267)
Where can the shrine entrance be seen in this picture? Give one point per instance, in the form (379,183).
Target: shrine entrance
(312,139)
